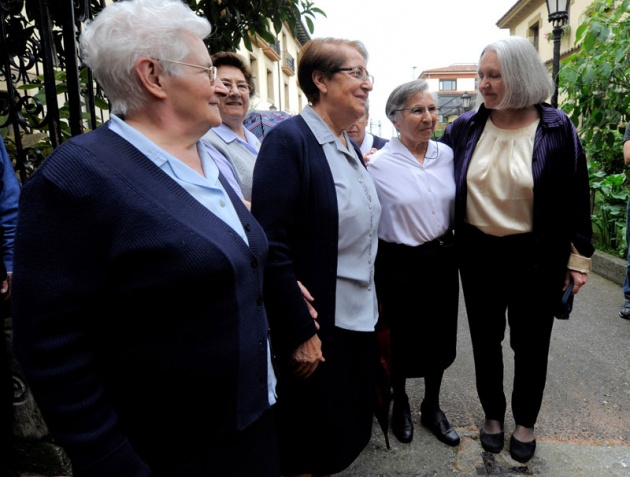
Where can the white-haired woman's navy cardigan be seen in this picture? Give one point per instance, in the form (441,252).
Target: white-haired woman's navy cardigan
(138,314)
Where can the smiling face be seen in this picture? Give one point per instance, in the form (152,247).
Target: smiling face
(235,105)
(418,124)
(491,84)
(343,97)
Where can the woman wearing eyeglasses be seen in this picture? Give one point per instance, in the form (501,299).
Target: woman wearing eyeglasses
(416,272)
(138,271)
(317,203)
(231,138)
(523,230)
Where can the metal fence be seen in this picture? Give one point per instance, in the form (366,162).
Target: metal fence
(45,94)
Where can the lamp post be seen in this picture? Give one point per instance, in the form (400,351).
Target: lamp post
(413,72)
(466,100)
(558,17)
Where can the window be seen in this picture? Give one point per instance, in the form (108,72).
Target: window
(286,97)
(253,65)
(448,85)
(270,88)
(534,34)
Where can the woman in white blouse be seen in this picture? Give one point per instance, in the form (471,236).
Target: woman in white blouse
(415,266)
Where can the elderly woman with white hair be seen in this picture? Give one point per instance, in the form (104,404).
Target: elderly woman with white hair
(523,228)
(416,271)
(138,312)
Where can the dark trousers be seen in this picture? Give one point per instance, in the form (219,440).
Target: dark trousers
(499,276)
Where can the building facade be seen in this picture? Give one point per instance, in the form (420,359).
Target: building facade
(274,68)
(456,88)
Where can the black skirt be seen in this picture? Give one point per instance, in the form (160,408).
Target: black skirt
(325,421)
(418,291)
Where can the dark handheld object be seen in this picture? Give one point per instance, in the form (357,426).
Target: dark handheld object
(566,304)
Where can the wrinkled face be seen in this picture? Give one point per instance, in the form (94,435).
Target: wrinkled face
(491,84)
(357,130)
(194,99)
(235,105)
(344,96)
(418,120)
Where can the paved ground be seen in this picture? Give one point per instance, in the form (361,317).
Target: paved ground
(584,425)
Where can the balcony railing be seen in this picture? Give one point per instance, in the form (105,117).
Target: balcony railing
(288,64)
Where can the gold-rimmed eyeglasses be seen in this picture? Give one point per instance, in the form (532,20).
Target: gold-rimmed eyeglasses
(211,71)
(241,86)
(357,72)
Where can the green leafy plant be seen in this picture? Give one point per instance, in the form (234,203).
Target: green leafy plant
(609,203)
(595,80)
(566,29)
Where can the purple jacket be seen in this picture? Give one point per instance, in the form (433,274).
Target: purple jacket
(561,190)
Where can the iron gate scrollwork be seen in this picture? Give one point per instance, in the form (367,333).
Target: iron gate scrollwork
(45,94)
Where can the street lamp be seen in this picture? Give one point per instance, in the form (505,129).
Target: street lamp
(413,72)
(466,100)
(558,17)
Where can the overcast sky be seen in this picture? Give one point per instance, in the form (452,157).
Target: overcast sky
(401,34)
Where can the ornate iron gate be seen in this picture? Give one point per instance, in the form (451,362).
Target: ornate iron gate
(45,95)
(45,98)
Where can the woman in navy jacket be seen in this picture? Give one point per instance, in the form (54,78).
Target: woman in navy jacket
(523,229)
(138,312)
(317,203)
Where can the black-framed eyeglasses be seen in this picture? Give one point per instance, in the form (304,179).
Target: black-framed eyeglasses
(241,86)
(211,71)
(357,72)
(419,111)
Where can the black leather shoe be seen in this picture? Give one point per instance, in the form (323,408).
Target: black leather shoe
(437,423)
(402,425)
(522,451)
(492,442)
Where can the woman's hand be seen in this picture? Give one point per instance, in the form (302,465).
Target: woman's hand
(307,356)
(579,280)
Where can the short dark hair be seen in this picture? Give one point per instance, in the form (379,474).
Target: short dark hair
(322,54)
(227,58)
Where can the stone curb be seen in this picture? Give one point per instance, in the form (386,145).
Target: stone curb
(610,267)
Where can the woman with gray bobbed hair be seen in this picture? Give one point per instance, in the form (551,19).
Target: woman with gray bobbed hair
(415,264)
(523,228)
(139,271)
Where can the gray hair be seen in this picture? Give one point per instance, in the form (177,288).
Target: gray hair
(126,31)
(399,97)
(526,80)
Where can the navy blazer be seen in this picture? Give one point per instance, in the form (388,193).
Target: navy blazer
(379,142)
(295,201)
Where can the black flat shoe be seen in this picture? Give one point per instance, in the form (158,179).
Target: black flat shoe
(492,442)
(522,451)
(402,425)
(437,423)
